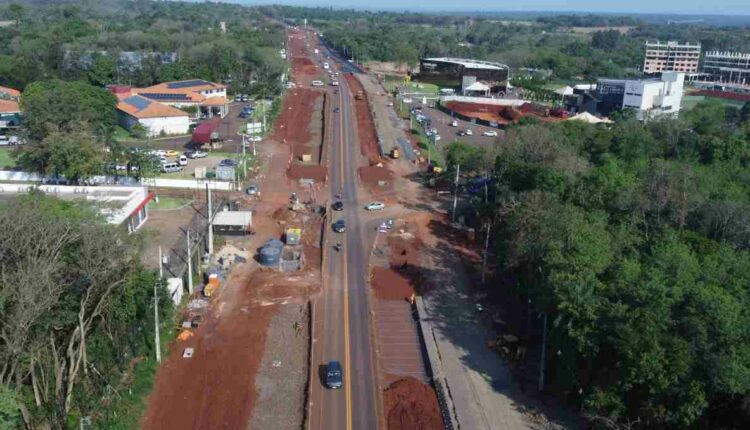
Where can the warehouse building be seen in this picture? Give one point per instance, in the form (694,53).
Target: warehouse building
(469,75)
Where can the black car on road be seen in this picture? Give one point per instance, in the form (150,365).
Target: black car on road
(334,379)
(339,226)
(338,206)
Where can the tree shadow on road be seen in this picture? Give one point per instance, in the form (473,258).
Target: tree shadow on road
(451,286)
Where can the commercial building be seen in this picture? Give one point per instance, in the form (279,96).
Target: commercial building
(648,97)
(156,118)
(206,98)
(455,72)
(671,57)
(126,206)
(727,67)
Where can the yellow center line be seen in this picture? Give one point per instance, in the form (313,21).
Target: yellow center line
(347,366)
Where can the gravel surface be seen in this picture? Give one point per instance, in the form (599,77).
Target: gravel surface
(282,379)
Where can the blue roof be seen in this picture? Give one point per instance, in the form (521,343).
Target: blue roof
(139,102)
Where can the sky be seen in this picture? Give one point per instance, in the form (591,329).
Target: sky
(719,7)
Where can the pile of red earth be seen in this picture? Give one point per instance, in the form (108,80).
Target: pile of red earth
(390,285)
(411,405)
(301,171)
(368,137)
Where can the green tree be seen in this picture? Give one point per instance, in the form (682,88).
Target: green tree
(103,70)
(10,409)
(55,105)
(77,155)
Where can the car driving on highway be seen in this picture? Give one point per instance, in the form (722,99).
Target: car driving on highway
(334,379)
(375,206)
(339,226)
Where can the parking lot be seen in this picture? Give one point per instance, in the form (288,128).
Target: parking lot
(441,121)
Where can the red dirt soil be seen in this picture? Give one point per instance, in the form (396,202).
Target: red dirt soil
(368,137)
(411,405)
(499,114)
(390,285)
(292,126)
(301,171)
(216,387)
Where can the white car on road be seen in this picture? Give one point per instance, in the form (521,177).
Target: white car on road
(454,124)
(375,206)
(469,132)
(490,133)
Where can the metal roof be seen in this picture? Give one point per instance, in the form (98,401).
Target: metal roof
(187,84)
(471,64)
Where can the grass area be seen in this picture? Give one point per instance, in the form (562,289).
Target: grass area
(6,161)
(392,82)
(122,135)
(689,102)
(167,203)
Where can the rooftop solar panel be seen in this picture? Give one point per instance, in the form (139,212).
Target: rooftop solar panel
(187,84)
(139,102)
(162,96)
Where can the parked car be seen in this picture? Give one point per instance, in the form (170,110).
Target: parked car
(436,137)
(183,160)
(244,99)
(172,153)
(454,124)
(252,190)
(196,154)
(228,162)
(338,206)
(256,139)
(336,110)
(461,133)
(237,98)
(339,226)
(390,104)
(334,378)
(4,141)
(171,167)
(375,206)
(490,133)
(469,132)
(244,114)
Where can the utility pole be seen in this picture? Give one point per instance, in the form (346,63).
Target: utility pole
(210,221)
(455,193)
(544,350)
(157,337)
(161,264)
(486,249)
(190,265)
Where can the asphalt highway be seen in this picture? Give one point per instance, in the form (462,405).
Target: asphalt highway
(342,323)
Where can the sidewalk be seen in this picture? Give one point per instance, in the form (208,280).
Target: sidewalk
(480,385)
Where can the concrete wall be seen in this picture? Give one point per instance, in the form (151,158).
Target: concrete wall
(166,125)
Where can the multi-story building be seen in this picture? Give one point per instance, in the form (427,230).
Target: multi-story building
(671,57)
(727,67)
(647,97)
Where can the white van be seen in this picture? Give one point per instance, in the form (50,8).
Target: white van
(171,167)
(183,160)
(326,65)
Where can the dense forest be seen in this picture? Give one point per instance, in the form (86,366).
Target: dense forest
(546,42)
(86,39)
(633,240)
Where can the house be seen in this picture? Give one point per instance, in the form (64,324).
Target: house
(10,94)
(10,114)
(209,98)
(155,117)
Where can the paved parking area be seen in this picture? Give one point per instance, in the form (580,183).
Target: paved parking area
(448,134)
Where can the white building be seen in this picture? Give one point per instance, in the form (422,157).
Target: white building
(654,97)
(155,117)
